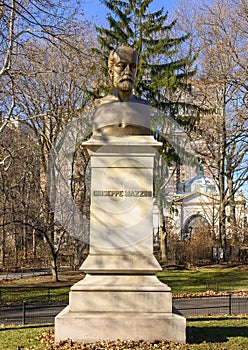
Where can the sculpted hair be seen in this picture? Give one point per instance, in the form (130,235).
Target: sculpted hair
(111,59)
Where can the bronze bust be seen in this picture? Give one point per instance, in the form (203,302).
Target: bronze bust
(129,118)
(123,64)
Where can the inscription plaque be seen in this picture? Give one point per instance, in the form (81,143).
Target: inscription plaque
(130,193)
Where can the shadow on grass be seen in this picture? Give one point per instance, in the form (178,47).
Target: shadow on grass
(197,335)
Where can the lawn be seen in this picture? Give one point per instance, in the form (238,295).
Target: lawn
(23,336)
(181,281)
(199,280)
(205,333)
(39,288)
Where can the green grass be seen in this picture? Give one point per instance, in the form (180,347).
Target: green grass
(203,279)
(39,288)
(229,333)
(195,280)
(204,333)
(17,294)
(23,336)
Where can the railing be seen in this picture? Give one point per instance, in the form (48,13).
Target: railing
(212,305)
(30,313)
(44,312)
(46,293)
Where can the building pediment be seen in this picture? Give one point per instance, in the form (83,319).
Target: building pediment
(195,197)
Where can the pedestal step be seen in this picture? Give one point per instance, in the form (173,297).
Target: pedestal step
(106,293)
(91,327)
(117,263)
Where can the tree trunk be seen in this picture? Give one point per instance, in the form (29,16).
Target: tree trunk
(2,247)
(163,246)
(222,158)
(25,243)
(54,267)
(34,243)
(231,201)
(163,235)
(222,221)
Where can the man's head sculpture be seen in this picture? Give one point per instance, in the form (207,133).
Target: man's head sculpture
(125,117)
(123,67)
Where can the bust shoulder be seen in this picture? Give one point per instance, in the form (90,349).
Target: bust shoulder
(113,97)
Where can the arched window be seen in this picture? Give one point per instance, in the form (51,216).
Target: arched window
(194,223)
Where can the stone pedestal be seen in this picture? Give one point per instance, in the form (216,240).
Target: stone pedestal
(120,297)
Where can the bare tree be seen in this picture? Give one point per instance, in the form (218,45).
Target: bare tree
(19,194)
(220,38)
(47,101)
(22,20)
(46,80)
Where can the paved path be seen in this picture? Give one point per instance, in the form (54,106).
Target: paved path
(18,275)
(30,313)
(212,305)
(41,313)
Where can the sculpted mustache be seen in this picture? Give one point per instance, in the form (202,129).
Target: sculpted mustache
(126,78)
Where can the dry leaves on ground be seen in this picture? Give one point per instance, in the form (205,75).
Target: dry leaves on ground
(212,293)
(47,339)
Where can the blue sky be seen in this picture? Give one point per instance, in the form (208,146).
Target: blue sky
(94,9)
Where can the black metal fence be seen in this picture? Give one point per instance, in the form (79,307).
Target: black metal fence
(30,313)
(46,293)
(45,312)
(212,305)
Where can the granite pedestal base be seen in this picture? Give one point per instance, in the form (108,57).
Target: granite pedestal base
(120,297)
(108,326)
(133,307)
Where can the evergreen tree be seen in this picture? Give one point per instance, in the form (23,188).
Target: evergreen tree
(161,73)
